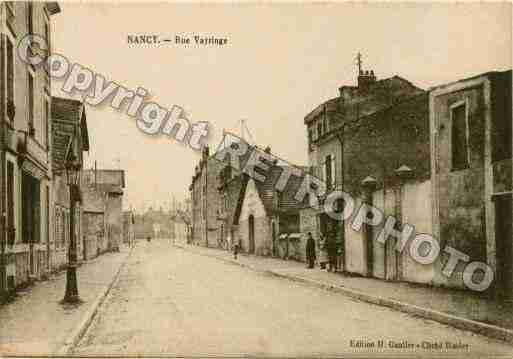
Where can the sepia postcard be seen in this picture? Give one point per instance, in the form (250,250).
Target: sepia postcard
(256,179)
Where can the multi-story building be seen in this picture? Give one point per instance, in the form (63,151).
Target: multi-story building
(369,130)
(69,135)
(205,199)
(25,149)
(471,157)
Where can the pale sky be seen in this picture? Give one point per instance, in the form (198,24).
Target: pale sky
(281,61)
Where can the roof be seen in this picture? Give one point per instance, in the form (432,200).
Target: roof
(492,74)
(106,176)
(66,115)
(380,94)
(273,201)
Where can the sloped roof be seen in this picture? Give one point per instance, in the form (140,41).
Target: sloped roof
(272,200)
(381,94)
(66,114)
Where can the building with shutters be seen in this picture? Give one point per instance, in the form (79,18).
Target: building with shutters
(26,187)
(69,135)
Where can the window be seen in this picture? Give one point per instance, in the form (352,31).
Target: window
(31,104)
(10,71)
(46,124)
(459,137)
(31,211)
(10,202)
(47,36)
(319,129)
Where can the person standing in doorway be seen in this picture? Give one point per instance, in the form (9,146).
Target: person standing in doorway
(331,248)
(310,250)
(323,254)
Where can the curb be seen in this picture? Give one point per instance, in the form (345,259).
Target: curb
(84,324)
(484,329)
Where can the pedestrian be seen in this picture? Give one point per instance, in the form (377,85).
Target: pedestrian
(331,247)
(235,250)
(323,254)
(310,250)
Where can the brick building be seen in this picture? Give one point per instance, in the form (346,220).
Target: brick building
(471,182)
(368,130)
(26,182)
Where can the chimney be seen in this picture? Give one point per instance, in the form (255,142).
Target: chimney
(365,80)
(268,150)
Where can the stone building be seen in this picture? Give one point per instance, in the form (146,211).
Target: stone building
(471,151)
(69,135)
(206,199)
(26,181)
(94,239)
(110,184)
(264,215)
(182,225)
(369,130)
(155,223)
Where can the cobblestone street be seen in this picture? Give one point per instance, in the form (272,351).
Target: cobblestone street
(173,301)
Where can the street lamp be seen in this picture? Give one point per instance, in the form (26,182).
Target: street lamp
(72,167)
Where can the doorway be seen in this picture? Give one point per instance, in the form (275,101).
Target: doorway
(251,234)
(504,244)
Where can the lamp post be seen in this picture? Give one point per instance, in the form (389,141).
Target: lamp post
(72,168)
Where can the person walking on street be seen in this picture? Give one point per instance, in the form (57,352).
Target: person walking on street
(331,247)
(235,250)
(310,250)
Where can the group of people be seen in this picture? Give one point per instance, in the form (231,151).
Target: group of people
(327,251)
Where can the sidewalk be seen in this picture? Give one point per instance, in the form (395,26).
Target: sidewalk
(462,309)
(35,323)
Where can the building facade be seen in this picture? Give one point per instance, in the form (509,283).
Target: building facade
(69,136)
(368,130)
(471,158)
(25,154)
(205,201)
(108,184)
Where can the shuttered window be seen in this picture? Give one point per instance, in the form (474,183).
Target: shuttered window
(10,70)
(31,209)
